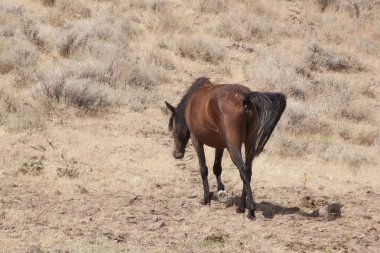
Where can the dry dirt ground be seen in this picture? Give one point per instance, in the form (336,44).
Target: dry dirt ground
(74,182)
(127,194)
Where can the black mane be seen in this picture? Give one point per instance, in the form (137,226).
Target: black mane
(179,117)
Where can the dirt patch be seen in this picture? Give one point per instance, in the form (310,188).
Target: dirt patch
(128,197)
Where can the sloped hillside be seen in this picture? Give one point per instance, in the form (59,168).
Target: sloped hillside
(85,161)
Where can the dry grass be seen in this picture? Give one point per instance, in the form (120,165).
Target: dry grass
(48,2)
(93,55)
(318,59)
(33,167)
(74,9)
(200,48)
(82,91)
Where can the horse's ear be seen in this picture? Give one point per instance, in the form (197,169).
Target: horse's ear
(170,107)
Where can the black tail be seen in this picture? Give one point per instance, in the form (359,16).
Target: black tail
(268,107)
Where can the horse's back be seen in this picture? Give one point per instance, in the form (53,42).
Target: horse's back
(216,113)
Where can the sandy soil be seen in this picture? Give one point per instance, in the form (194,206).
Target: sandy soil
(131,196)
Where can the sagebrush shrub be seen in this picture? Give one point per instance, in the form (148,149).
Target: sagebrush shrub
(198,48)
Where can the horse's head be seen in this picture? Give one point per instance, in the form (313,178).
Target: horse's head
(179,131)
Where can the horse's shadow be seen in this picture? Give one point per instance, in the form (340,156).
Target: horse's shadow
(269,210)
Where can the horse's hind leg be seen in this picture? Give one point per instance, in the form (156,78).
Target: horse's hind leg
(198,146)
(249,155)
(218,168)
(247,197)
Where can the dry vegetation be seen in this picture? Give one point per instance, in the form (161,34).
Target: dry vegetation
(91,58)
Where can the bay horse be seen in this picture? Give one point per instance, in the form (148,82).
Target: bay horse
(225,116)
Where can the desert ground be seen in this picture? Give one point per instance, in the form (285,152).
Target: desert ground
(85,151)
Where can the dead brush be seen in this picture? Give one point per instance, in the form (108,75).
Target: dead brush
(86,95)
(84,86)
(48,2)
(300,118)
(340,5)
(199,48)
(6,64)
(68,171)
(33,167)
(31,31)
(369,90)
(74,8)
(320,59)
(355,113)
(71,43)
(366,136)
(213,6)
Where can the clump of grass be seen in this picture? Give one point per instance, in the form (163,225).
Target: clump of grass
(16,113)
(355,113)
(54,17)
(197,48)
(88,36)
(165,19)
(301,118)
(213,6)
(367,136)
(143,73)
(68,171)
(338,5)
(81,93)
(272,72)
(24,57)
(292,146)
(354,160)
(24,77)
(345,133)
(33,167)
(86,95)
(73,42)
(163,59)
(369,89)
(139,99)
(48,2)
(74,8)
(31,31)
(6,64)
(318,58)
(84,86)
(241,25)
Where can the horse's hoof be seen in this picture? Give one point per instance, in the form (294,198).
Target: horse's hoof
(240,210)
(221,187)
(207,200)
(222,196)
(251,215)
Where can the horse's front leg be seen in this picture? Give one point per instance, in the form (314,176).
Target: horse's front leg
(218,168)
(203,169)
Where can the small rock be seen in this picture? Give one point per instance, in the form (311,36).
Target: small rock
(161,224)
(334,209)
(121,237)
(268,236)
(155,218)
(83,191)
(157,225)
(109,234)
